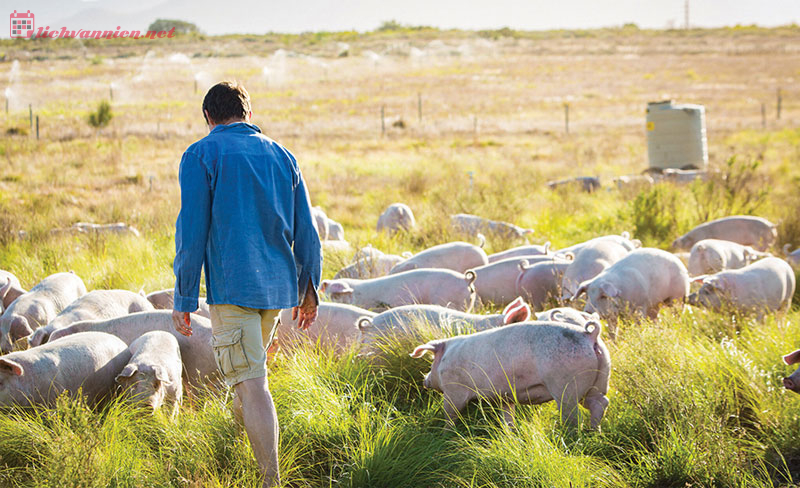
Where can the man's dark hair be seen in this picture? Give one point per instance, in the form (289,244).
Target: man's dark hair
(225,101)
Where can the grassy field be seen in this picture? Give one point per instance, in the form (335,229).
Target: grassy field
(696,398)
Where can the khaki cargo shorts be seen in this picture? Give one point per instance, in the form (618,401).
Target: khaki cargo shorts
(241,336)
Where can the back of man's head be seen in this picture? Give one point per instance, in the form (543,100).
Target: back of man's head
(225,101)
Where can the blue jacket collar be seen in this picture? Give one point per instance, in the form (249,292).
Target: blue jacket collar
(236,126)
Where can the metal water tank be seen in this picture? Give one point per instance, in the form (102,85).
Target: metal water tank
(676,135)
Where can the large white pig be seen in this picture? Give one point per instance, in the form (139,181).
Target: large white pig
(334,328)
(431,286)
(714,255)
(371,266)
(88,361)
(198,356)
(38,307)
(396,217)
(639,283)
(539,362)
(585,183)
(590,261)
(496,283)
(95,305)
(335,230)
(623,239)
(792,382)
(457,256)
(153,374)
(473,225)
(521,251)
(165,300)
(568,315)
(405,320)
(540,283)
(746,230)
(10,289)
(320,222)
(764,286)
(792,257)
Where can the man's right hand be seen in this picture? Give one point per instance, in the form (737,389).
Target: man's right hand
(307,311)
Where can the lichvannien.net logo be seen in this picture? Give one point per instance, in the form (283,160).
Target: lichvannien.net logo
(21,24)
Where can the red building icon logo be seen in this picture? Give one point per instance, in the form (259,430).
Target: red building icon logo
(21,25)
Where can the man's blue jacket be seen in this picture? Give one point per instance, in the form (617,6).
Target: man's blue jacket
(246,219)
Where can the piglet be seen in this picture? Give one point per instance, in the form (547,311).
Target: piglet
(334,328)
(88,361)
(792,382)
(532,362)
(95,305)
(38,307)
(153,374)
(764,286)
(458,256)
(404,320)
(745,229)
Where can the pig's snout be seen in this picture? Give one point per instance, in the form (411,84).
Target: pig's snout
(692,299)
(427,381)
(789,384)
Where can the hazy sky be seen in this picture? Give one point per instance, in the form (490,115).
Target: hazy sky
(258,16)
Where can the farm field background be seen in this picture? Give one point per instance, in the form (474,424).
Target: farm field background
(696,398)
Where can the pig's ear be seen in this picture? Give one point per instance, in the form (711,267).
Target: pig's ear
(554,315)
(324,285)
(522,313)
(792,357)
(609,289)
(128,371)
(636,243)
(20,327)
(581,290)
(420,350)
(338,287)
(363,323)
(625,234)
(516,303)
(699,279)
(547,247)
(11,367)
(407,254)
(161,375)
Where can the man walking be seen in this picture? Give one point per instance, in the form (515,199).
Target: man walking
(245,219)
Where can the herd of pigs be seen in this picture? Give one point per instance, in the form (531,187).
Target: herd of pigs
(545,345)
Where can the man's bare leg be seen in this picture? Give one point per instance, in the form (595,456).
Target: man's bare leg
(261,425)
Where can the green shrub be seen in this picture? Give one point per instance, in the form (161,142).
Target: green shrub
(102,117)
(654,214)
(738,188)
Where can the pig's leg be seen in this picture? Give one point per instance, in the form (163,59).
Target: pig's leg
(596,404)
(508,412)
(567,400)
(454,403)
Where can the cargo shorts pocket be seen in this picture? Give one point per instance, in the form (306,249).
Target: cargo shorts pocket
(230,353)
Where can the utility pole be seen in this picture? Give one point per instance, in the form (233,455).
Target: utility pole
(686,15)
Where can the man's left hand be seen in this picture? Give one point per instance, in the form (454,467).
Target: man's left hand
(183,322)
(307,311)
